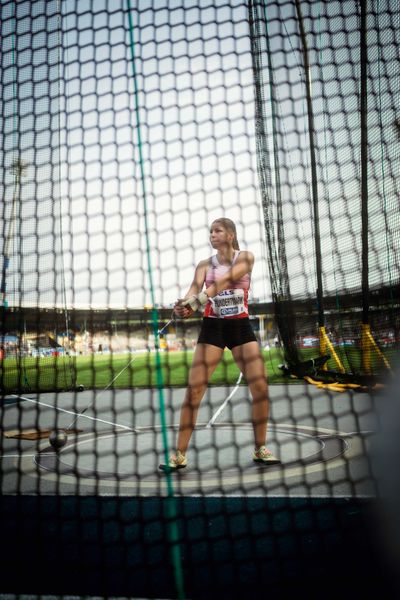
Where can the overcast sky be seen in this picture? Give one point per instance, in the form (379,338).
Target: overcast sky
(69,110)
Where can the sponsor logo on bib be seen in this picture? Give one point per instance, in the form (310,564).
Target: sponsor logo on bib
(229,311)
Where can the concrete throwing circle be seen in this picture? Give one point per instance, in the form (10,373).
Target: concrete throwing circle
(219,457)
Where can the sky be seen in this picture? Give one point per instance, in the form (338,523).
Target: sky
(69,111)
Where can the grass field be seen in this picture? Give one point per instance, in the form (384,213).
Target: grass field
(128,370)
(97,371)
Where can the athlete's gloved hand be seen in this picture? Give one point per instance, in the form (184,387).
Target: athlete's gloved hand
(180,311)
(195,302)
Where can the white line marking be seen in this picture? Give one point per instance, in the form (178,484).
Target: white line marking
(225,402)
(91,403)
(70,412)
(259,476)
(17,455)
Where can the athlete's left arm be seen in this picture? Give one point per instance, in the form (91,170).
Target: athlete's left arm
(243,266)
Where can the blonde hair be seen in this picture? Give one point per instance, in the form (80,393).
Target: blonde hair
(229,225)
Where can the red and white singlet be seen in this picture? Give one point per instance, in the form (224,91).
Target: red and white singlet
(228,304)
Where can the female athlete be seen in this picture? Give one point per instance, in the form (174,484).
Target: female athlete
(226,277)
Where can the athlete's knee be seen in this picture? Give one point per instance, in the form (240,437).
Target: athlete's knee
(259,386)
(194,394)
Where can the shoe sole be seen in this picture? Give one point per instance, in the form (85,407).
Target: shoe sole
(260,461)
(167,468)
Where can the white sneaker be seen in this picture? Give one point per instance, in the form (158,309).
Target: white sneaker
(265,456)
(175,462)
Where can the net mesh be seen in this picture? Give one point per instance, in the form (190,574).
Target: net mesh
(127,129)
(316,181)
(32,267)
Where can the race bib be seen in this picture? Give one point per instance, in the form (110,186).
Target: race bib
(228,303)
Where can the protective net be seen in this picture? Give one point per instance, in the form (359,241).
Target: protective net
(128,130)
(326,88)
(32,160)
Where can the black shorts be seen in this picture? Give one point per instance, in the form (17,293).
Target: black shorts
(226,332)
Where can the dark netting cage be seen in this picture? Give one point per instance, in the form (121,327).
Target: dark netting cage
(176,169)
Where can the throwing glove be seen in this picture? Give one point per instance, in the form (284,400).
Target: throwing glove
(196,302)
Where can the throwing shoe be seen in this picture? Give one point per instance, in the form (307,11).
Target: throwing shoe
(264,456)
(175,462)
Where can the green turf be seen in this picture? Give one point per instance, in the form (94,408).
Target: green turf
(97,371)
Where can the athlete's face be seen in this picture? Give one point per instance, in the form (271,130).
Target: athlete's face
(219,236)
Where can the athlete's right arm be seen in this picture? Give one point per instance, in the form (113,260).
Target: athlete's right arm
(195,287)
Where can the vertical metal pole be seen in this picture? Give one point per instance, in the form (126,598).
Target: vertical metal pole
(314,180)
(364,158)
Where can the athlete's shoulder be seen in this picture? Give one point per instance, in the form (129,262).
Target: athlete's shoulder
(204,264)
(246,255)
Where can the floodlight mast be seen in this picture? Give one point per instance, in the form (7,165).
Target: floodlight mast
(18,168)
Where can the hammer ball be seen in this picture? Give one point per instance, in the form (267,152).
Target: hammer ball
(58,439)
